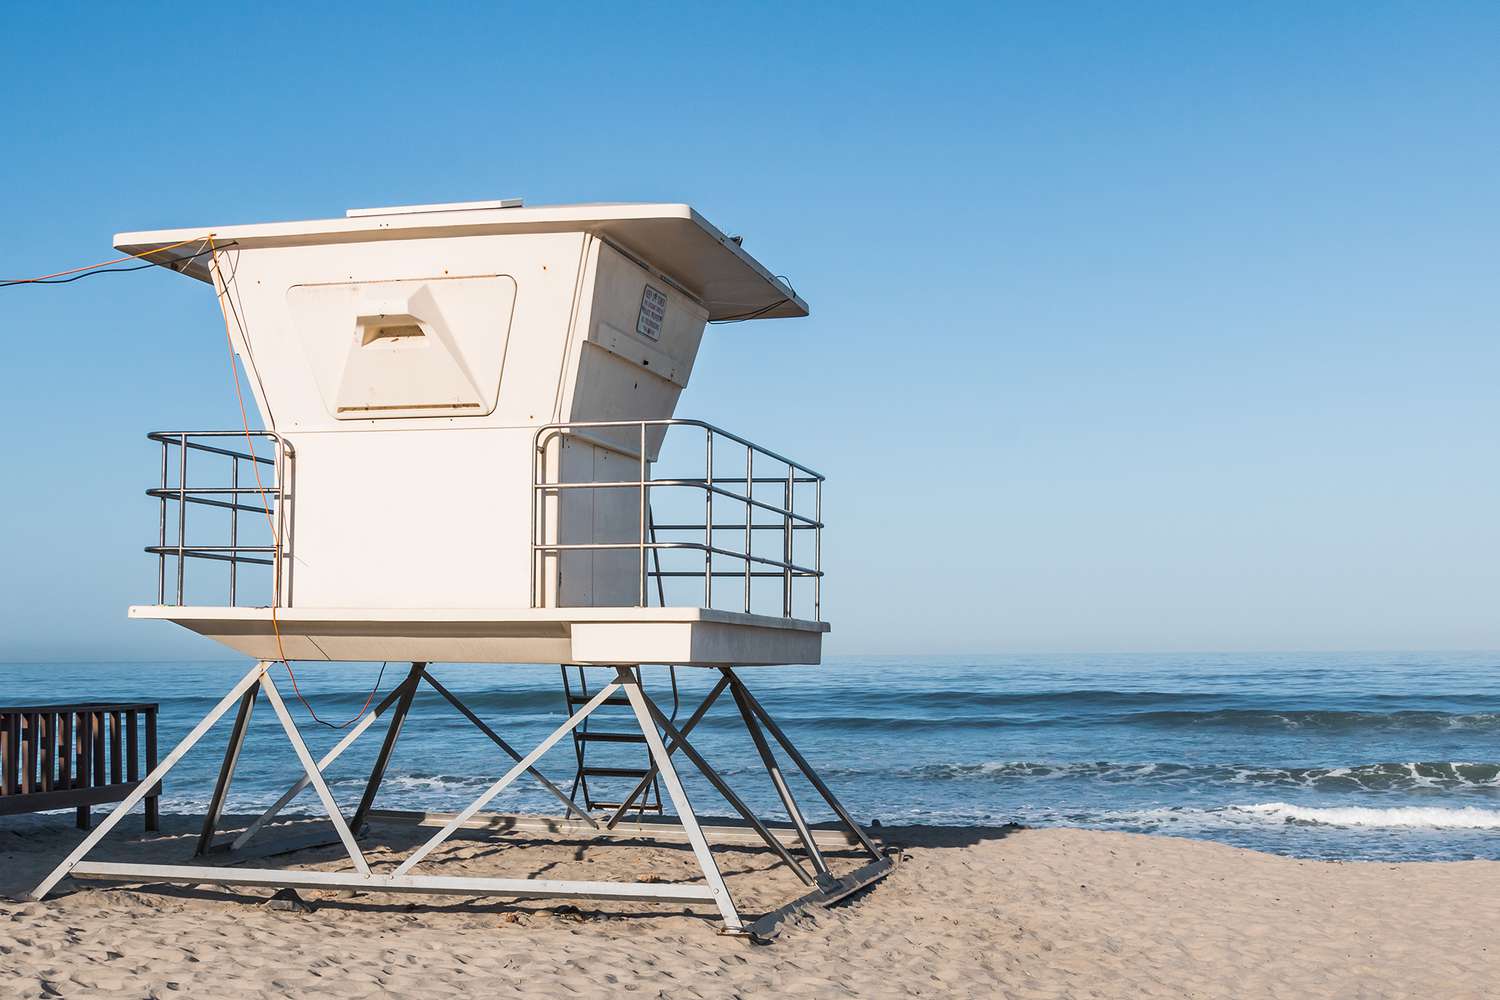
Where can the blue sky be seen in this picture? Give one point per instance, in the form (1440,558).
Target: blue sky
(1135,327)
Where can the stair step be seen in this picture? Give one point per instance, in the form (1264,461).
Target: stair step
(614,772)
(596,737)
(583,699)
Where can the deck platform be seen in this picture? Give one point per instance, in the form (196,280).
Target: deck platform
(679,636)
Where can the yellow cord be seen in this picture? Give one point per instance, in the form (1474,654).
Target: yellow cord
(222,289)
(102,263)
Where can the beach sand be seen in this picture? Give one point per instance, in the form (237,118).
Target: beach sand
(972,912)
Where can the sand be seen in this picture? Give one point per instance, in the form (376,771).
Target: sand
(972,912)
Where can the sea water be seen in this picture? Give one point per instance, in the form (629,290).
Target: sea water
(1353,756)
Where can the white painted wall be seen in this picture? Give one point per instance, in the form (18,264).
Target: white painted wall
(410,375)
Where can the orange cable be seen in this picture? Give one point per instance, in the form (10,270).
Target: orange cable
(102,263)
(222,290)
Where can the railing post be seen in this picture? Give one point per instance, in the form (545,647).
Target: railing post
(65,750)
(786,542)
(132,745)
(9,729)
(642,579)
(818,548)
(234,526)
(101,734)
(161,557)
(749,516)
(85,769)
(536,557)
(181,515)
(116,756)
(28,746)
(278,548)
(153,800)
(708,520)
(47,734)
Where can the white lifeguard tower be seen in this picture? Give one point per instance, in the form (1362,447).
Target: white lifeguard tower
(470,455)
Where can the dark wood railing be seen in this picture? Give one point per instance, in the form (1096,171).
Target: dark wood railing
(61,756)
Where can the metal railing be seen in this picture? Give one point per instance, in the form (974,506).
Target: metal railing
(259,490)
(755,514)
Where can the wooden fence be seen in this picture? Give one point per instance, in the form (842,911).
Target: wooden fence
(78,756)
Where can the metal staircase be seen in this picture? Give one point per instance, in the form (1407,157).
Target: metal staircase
(615,768)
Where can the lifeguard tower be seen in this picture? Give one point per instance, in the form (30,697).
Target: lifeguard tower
(471,455)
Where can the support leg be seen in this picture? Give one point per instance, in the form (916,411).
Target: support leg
(149,782)
(803,765)
(782,788)
(627,679)
(735,802)
(314,775)
(226,772)
(377,773)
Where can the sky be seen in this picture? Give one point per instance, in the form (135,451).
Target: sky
(1135,327)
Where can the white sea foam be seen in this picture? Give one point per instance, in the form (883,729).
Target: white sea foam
(1402,817)
(1214,821)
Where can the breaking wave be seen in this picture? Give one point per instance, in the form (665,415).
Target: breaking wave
(1241,720)
(1441,775)
(1396,817)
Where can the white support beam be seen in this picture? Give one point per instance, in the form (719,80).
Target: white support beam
(517,888)
(638,701)
(314,775)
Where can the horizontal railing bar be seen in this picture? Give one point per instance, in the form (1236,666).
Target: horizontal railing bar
(699,484)
(81,706)
(177,497)
(170,492)
(175,435)
(173,549)
(734,574)
(683,422)
(227,453)
(190,554)
(778,480)
(734,527)
(697,546)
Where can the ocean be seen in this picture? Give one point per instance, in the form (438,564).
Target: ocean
(1346,756)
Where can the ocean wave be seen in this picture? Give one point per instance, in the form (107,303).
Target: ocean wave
(1315,720)
(1396,817)
(1241,720)
(1267,816)
(1394,776)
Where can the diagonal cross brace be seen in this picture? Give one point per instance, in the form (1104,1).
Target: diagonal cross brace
(327,759)
(314,775)
(521,766)
(150,781)
(398,692)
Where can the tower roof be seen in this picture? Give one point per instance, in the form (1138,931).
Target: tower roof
(672,239)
